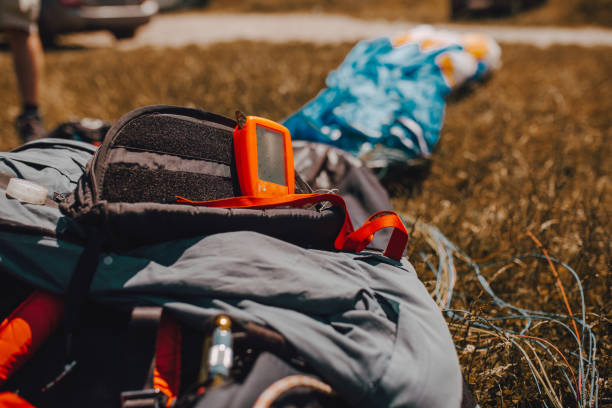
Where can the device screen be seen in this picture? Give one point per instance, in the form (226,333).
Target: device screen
(270,155)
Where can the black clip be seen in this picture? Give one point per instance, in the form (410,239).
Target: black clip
(150,398)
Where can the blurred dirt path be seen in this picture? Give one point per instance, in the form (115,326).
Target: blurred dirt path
(176,30)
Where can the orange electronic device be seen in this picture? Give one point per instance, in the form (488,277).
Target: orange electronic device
(264,157)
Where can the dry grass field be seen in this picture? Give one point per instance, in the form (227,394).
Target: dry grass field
(547,12)
(527,151)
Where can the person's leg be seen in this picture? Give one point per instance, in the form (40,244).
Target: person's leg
(28,59)
(18,20)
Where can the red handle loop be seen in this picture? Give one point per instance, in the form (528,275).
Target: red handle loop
(361,238)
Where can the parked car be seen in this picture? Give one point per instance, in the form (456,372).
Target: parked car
(120,17)
(169,5)
(462,8)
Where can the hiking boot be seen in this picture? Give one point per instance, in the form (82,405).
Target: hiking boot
(30,127)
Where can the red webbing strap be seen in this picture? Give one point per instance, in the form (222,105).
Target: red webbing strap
(167,370)
(348,239)
(24,330)
(362,237)
(10,400)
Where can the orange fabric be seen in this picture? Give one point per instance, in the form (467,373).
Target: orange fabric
(10,400)
(348,239)
(24,330)
(167,372)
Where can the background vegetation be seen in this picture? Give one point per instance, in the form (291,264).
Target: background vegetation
(528,150)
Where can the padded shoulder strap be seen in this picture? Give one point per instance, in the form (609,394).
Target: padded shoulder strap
(151,374)
(348,239)
(26,329)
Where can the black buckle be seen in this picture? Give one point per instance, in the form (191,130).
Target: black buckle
(150,398)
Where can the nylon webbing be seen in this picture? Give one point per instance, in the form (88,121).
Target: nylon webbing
(139,347)
(348,238)
(140,352)
(78,288)
(4,180)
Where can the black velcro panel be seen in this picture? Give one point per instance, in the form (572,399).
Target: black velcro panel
(134,184)
(179,135)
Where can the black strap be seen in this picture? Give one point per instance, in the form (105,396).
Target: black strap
(78,288)
(139,359)
(4,181)
(139,347)
(152,398)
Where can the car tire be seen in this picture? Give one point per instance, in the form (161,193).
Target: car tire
(124,33)
(457,9)
(47,37)
(514,7)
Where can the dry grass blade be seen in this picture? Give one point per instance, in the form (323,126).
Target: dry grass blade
(559,283)
(548,391)
(544,375)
